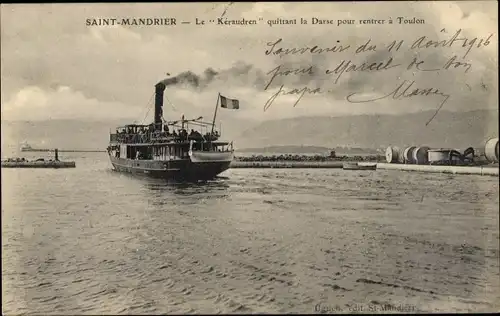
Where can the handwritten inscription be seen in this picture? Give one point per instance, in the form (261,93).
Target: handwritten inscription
(420,62)
(279,72)
(276,72)
(423,42)
(346,66)
(281,51)
(300,92)
(349,66)
(403,91)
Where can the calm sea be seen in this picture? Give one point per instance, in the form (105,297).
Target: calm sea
(92,241)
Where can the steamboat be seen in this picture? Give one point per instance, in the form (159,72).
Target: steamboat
(165,149)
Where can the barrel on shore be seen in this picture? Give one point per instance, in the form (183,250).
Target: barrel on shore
(392,154)
(420,155)
(408,155)
(491,150)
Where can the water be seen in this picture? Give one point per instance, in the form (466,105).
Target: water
(93,241)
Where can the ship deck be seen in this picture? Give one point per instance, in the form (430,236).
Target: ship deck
(166,142)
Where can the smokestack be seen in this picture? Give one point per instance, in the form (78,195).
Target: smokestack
(160,87)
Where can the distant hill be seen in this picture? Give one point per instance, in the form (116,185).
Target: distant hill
(285,149)
(317,134)
(79,134)
(66,134)
(448,129)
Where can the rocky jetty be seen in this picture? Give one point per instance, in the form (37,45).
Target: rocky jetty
(310,158)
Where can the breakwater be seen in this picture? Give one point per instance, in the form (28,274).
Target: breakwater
(38,164)
(287,164)
(300,161)
(487,170)
(327,162)
(309,158)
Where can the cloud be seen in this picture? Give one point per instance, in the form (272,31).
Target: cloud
(34,103)
(119,66)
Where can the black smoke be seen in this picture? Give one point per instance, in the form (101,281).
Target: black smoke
(240,72)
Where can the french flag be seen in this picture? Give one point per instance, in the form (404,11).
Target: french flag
(229,103)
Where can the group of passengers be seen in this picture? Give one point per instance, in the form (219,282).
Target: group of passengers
(145,135)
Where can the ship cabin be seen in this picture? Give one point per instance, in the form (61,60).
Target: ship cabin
(167,141)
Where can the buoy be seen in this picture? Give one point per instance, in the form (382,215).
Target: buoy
(491,150)
(392,154)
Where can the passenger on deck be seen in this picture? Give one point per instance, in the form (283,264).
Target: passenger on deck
(192,134)
(183,134)
(198,136)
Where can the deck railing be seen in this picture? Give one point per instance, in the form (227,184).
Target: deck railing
(156,137)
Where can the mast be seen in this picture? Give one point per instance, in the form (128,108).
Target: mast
(215,114)
(159,89)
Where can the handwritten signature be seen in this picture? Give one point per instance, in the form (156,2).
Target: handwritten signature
(403,91)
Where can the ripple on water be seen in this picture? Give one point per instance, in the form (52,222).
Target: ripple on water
(257,241)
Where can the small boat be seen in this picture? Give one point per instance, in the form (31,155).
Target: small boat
(356,166)
(25,146)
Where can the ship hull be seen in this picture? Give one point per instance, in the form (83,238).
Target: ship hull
(183,169)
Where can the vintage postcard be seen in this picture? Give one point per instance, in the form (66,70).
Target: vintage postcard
(250,157)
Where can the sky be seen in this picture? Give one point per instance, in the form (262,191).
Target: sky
(55,66)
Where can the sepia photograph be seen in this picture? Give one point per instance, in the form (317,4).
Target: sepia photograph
(250,158)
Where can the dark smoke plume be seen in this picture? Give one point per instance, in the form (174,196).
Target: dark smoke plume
(247,75)
(240,72)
